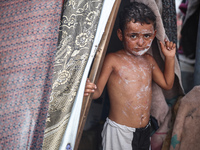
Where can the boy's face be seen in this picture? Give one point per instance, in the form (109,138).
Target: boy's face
(137,37)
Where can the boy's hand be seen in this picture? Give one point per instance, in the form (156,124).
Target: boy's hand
(89,88)
(169,49)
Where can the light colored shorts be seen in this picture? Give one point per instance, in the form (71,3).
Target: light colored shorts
(121,137)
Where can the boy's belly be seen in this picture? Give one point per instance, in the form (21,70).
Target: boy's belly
(130,108)
(130,101)
(130,118)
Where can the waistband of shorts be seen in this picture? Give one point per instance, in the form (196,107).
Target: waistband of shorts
(122,127)
(126,128)
(144,128)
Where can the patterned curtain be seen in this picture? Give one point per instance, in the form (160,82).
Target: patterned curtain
(169,19)
(77,32)
(28,40)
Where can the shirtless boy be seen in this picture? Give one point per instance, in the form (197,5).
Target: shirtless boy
(128,74)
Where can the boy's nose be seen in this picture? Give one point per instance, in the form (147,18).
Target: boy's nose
(140,41)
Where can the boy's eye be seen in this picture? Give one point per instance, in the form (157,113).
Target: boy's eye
(133,36)
(147,36)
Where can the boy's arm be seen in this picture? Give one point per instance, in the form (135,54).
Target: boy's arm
(103,78)
(166,79)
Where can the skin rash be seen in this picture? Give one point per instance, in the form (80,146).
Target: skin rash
(128,74)
(143,36)
(137,42)
(131,64)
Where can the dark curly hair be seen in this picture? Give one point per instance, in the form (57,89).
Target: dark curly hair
(137,12)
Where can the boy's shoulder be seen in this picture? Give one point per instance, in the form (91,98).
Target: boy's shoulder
(113,55)
(112,58)
(150,58)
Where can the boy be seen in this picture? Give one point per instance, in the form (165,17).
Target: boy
(128,74)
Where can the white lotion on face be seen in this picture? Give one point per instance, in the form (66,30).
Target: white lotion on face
(143,32)
(140,53)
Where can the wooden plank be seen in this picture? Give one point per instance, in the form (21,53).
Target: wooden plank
(96,68)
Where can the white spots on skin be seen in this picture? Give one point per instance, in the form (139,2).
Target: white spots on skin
(136,110)
(140,71)
(144,88)
(124,112)
(144,31)
(153,67)
(131,67)
(129,81)
(120,81)
(149,44)
(121,71)
(136,107)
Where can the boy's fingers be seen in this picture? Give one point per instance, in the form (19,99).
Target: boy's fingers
(90,83)
(171,45)
(86,94)
(89,91)
(162,45)
(91,86)
(174,45)
(167,44)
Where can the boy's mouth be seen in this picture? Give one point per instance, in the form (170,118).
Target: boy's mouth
(141,49)
(140,52)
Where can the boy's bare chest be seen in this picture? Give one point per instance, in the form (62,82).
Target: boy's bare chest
(133,72)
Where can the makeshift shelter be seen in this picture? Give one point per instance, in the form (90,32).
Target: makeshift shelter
(42,84)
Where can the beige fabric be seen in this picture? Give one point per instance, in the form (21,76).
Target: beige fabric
(185,135)
(77,31)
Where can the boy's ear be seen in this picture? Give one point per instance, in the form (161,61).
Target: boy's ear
(155,31)
(120,34)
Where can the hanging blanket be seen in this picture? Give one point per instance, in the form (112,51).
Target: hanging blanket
(185,135)
(77,31)
(28,39)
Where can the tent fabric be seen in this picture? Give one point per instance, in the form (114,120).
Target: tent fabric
(77,32)
(169,19)
(189,29)
(186,128)
(72,132)
(28,40)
